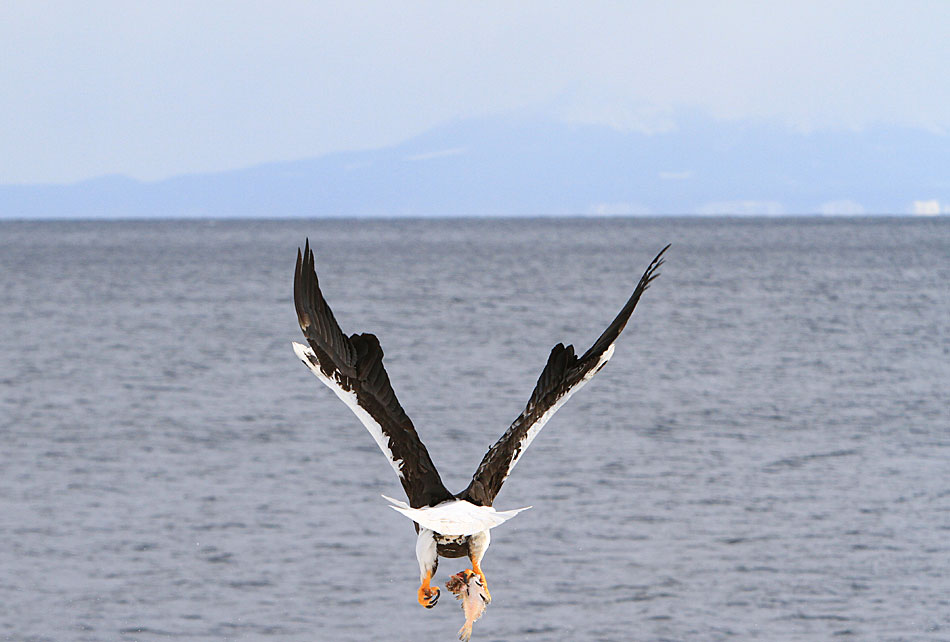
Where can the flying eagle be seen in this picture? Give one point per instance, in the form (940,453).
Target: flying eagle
(448,525)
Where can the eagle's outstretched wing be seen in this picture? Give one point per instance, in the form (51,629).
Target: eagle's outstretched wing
(353,368)
(564,374)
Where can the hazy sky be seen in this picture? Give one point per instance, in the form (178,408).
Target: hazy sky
(152,89)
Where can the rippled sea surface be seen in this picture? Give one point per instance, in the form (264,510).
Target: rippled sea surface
(766,457)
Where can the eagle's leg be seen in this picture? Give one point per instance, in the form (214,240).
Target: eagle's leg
(427,554)
(477,545)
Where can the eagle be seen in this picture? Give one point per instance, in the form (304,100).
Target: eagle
(447,525)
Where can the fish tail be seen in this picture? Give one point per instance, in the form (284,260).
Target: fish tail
(465,633)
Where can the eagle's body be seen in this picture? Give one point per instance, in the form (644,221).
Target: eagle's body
(448,525)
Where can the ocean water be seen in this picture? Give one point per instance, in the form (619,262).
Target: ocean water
(766,457)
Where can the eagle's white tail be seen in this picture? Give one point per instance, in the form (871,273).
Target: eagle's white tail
(455,517)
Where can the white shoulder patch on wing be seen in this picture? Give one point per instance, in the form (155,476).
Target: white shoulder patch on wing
(543,419)
(455,517)
(306,354)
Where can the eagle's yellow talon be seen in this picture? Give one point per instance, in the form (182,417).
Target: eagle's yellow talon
(428,595)
(485,586)
(476,569)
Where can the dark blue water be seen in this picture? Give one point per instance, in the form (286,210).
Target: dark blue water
(766,457)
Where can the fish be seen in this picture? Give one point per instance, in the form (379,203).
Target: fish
(467,587)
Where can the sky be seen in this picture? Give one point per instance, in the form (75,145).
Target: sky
(152,90)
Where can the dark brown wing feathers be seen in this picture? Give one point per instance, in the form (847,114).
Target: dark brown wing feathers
(356,364)
(562,374)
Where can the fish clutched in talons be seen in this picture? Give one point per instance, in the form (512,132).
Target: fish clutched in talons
(468,587)
(478,571)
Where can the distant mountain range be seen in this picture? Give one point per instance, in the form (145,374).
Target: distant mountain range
(520,167)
